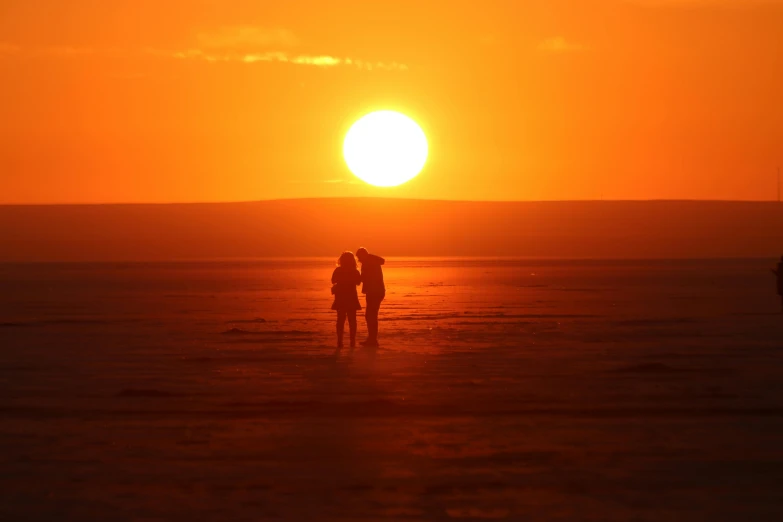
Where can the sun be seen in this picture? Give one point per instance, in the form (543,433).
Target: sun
(385,149)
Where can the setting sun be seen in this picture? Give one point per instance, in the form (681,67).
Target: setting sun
(385,149)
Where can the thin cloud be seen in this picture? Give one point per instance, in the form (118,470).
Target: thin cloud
(559,44)
(246,37)
(323,61)
(252,45)
(209,56)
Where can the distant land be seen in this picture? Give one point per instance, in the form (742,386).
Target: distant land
(392,227)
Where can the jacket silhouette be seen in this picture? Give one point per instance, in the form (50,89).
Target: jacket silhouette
(372,275)
(374,289)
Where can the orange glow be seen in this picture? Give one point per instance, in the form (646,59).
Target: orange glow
(179,101)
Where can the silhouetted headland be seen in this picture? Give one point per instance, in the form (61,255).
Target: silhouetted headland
(311,227)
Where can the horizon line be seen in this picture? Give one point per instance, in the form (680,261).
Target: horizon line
(400,258)
(386,198)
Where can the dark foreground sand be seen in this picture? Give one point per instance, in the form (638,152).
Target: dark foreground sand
(520,391)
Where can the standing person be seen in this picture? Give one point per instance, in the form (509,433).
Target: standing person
(779,274)
(374,290)
(345,279)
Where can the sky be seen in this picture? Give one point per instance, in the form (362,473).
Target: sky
(242,100)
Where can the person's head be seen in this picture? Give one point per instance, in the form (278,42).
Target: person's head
(347,260)
(362,254)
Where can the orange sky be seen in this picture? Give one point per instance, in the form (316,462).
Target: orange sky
(224,100)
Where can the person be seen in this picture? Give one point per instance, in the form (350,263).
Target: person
(345,279)
(779,274)
(374,291)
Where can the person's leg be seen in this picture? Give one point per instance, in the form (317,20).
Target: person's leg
(368,319)
(352,326)
(373,307)
(376,305)
(377,312)
(340,327)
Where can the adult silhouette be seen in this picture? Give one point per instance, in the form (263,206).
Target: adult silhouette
(374,290)
(345,279)
(779,274)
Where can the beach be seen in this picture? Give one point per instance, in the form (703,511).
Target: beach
(502,389)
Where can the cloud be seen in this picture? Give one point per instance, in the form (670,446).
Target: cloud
(251,45)
(246,37)
(204,55)
(323,61)
(559,44)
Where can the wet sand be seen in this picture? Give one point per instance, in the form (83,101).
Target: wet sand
(546,390)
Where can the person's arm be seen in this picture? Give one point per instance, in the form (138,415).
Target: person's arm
(358,278)
(377,259)
(334,276)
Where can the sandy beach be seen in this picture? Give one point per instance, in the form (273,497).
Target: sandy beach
(519,390)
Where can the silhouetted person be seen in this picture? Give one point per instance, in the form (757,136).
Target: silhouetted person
(779,274)
(345,279)
(374,290)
